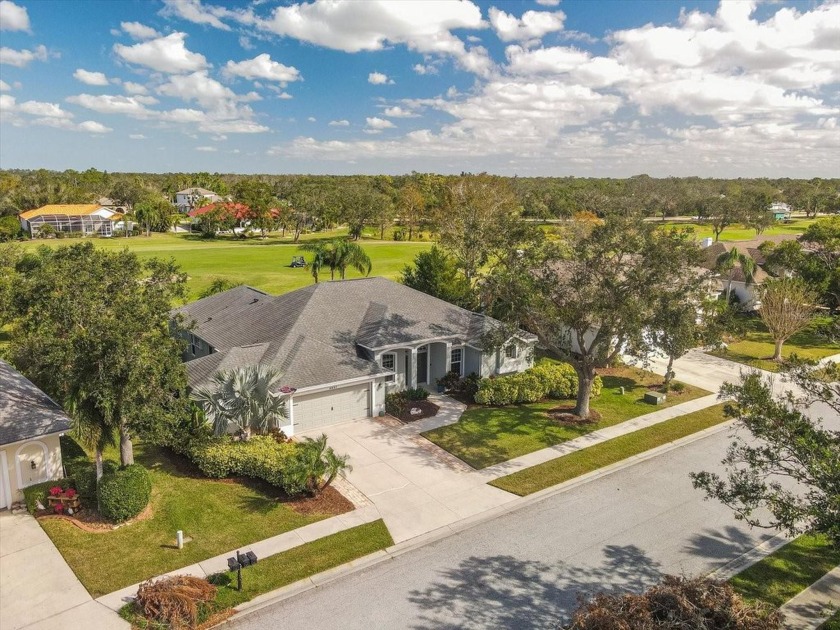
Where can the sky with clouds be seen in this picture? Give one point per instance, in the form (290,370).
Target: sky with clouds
(542,87)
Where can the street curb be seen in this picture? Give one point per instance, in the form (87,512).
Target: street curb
(746,560)
(286,592)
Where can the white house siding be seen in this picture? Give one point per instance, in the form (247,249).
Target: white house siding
(332,406)
(17,472)
(524,359)
(472,361)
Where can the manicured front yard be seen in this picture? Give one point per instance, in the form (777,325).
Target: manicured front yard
(756,348)
(606,453)
(218,515)
(290,566)
(489,435)
(787,571)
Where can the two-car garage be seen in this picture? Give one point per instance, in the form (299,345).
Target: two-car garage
(331,406)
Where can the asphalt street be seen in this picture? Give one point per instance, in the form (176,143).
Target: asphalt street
(527,569)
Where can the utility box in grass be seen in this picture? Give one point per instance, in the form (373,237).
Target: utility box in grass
(654,398)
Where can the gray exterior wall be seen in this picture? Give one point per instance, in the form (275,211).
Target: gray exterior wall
(472,361)
(437,362)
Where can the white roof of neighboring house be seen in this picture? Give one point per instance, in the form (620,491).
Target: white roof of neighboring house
(197,191)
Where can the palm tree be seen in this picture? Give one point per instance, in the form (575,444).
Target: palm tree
(350,254)
(316,465)
(727,261)
(244,397)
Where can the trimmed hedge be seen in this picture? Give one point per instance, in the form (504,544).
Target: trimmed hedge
(261,457)
(40,492)
(555,381)
(124,493)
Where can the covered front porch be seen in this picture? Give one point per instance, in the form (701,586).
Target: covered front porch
(422,365)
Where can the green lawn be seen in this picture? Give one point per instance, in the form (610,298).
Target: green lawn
(293,565)
(489,435)
(787,571)
(833,623)
(260,263)
(600,455)
(740,233)
(757,347)
(219,515)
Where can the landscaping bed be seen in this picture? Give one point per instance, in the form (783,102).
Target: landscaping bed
(419,409)
(489,435)
(609,452)
(216,514)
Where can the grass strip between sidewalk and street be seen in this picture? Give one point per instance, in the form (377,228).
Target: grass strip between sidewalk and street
(787,571)
(284,568)
(586,460)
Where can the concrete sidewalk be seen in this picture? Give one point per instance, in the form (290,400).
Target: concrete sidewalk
(810,608)
(37,588)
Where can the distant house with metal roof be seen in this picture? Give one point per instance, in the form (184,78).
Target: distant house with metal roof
(83,219)
(781,211)
(30,425)
(341,346)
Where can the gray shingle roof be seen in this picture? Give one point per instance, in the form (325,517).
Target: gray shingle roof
(25,411)
(318,334)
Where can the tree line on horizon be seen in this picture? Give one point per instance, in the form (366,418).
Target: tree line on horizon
(414,202)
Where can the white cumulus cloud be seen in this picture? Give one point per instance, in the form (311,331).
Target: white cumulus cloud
(532,24)
(90,78)
(91,126)
(165,54)
(22,58)
(139,31)
(339,123)
(262,67)
(377,78)
(378,124)
(13,17)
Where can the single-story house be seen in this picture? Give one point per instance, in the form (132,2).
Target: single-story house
(86,219)
(30,424)
(341,346)
(189,198)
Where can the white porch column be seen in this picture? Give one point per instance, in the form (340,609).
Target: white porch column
(449,357)
(412,366)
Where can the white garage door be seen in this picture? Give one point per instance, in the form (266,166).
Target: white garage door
(313,411)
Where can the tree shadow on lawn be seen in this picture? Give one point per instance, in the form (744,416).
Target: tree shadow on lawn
(507,592)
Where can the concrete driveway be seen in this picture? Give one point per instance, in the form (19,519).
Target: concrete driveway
(416,486)
(37,588)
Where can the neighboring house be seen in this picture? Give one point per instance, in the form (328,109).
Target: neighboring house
(30,424)
(238,212)
(107,202)
(85,219)
(189,198)
(781,211)
(734,280)
(341,346)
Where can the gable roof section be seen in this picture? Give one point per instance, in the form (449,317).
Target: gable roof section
(318,334)
(76,209)
(196,191)
(25,411)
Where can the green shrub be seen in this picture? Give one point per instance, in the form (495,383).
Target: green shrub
(396,403)
(546,380)
(416,394)
(261,457)
(124,493)
(40,491)
(677,387)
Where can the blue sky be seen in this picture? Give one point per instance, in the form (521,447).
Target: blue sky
(537,87)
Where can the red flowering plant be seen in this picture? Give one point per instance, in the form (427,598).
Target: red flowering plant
(70,493)
(59,508)
(56,491)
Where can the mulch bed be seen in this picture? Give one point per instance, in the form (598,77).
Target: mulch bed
(427,410)
(330,501)
(90,521)
(566,416)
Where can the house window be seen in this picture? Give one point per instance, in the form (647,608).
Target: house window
(511,351)
(196,344)
(455,361)
(389,363)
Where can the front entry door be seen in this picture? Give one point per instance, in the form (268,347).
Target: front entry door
(422,367)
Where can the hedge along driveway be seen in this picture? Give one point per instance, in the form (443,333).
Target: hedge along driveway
(490,435)
(218,515)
